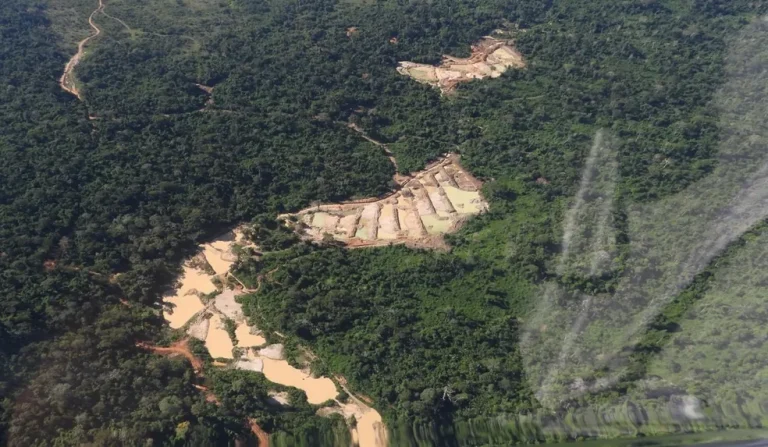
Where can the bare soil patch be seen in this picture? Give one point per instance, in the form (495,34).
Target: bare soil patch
(206,321)
(490,58)
(428,205)
(179,348)
(261,435)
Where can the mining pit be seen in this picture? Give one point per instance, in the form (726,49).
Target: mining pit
(490,58)
(430,204)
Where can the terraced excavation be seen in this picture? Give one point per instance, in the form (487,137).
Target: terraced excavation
(429,204)
(490,58)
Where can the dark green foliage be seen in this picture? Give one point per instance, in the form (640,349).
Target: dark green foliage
(93,386)
(426,334)
(245,393)
(160,169)
(270,234)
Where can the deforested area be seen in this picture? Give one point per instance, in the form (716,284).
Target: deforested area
(565,248)
(427,205)
(490,57)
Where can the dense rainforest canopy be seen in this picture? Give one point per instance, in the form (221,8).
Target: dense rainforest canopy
(102,199)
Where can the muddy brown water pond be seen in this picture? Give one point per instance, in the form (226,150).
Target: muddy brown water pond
(207,322)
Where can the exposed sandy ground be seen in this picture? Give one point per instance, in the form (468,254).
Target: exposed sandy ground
(198,328)
(206,322)
(226,305)
(274,352)
(250,362)
(428,205)
(490,58)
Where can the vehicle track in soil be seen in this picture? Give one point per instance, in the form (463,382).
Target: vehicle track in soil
(67,80)
(182,348)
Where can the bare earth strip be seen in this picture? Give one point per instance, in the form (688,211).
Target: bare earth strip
(67,80)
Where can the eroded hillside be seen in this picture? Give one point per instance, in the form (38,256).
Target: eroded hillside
(430,204)
(489,59)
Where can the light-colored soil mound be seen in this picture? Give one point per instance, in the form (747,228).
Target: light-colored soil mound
(280,398)
(226,305)
(198,328)
(250,363)
(432,203)
(490,58)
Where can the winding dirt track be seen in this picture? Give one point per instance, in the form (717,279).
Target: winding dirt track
(261,435)
(67,81)
(182,348)
(399,178)
(179,348)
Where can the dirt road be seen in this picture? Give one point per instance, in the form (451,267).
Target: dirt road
(67,80)
(261,435)
(363,134)
(182,348)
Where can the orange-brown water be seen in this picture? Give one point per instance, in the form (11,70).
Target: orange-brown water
(318,390)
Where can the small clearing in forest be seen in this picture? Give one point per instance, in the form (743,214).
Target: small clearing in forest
(490,58)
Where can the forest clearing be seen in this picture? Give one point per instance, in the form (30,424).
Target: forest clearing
(204,312)
(430,204)
(490,57)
